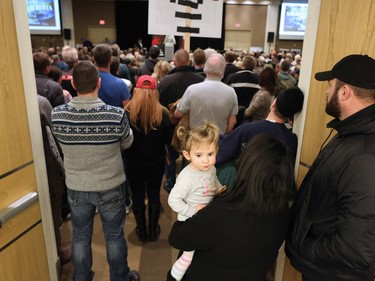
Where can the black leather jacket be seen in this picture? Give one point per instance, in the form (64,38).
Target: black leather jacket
(174,85)
(332,233)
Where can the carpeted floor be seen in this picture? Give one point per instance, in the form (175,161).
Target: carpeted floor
(151,259)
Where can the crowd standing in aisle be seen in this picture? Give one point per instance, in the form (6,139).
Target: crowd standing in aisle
(197,90)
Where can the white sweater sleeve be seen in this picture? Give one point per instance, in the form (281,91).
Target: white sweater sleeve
(179,193)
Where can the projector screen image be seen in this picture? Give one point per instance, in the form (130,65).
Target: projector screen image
(44,17)
(292,21)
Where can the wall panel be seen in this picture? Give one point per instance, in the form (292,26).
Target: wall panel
(343,28)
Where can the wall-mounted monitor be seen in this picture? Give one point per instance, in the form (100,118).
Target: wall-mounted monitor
(292,22)
(44,17)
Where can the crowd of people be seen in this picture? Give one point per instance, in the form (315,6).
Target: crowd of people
(116,121)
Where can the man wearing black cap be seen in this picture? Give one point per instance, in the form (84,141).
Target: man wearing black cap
(283,107)
(332,235)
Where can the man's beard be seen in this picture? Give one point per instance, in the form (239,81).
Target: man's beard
(333,107)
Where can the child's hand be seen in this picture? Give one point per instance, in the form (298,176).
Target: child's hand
(199,207)
(223,188)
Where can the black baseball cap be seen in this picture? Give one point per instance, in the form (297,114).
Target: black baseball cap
(290,101)
(356,70)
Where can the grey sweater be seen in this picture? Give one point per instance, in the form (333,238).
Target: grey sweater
(91,135)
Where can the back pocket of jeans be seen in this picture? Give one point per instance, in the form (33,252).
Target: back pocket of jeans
(113,198)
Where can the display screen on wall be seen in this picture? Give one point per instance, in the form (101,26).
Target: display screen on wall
(292,22)
(44,17)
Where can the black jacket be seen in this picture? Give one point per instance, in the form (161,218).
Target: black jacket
(174,85)
(332,234)
(246,84)
(49,89)
(228,244)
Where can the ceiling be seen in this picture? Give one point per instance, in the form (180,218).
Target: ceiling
(242,2)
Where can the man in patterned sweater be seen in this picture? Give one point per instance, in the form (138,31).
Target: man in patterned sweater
(91,135)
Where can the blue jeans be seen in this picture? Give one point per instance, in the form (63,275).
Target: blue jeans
(126,183)
(111,206)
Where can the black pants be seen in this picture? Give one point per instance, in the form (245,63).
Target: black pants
(143,180)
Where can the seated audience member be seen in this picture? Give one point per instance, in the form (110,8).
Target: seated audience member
(237,236)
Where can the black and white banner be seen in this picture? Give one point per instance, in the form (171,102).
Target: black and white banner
(200,18)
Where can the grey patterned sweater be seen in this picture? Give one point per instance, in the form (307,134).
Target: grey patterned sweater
(91,135)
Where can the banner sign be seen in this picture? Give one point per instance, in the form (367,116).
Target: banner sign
(200,18)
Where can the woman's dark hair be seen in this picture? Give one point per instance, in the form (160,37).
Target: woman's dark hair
(265,178)
(267,79)
(55,73)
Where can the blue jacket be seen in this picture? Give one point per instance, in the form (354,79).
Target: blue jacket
(230,145)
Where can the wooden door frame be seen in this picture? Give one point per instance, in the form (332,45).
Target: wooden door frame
(29,84)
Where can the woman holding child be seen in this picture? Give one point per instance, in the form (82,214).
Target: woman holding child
(237,236)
